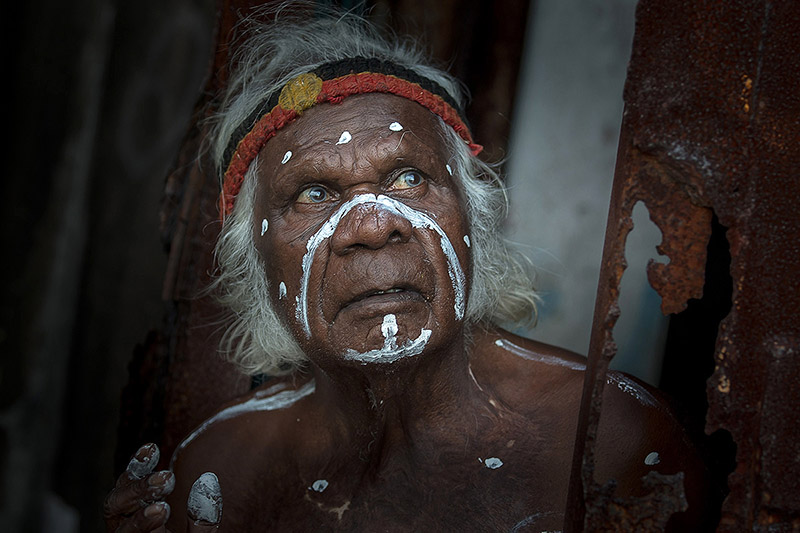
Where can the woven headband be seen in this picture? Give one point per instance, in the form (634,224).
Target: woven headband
(331,82)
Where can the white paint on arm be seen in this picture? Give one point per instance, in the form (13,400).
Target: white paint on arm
(652,459)
(205,499)
(271,399)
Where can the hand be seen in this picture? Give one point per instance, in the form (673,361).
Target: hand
(135,504)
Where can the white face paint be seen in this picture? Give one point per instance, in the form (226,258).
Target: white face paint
(395,126)
(652,459)
(389,331)
(270,399)
(390,355)
(418,219)
(286,157)
(345,138)
(264,226)
(449,169)
(493,462)
(319,485)
(466,241)
(281,291)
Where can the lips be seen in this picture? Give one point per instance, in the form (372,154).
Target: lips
(380,297)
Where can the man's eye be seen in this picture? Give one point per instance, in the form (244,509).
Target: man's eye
(313,195)
(407,180)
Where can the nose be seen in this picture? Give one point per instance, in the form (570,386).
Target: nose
(369,226)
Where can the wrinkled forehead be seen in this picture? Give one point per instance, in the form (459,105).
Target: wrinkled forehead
(374,124)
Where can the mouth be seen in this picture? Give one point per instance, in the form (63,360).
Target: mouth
(382,299)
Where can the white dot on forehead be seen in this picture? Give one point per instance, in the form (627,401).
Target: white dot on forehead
(286,157)
(264,226)
(449,169)
(395,126)
(345,138)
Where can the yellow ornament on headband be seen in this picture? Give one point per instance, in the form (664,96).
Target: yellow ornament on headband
(300,92)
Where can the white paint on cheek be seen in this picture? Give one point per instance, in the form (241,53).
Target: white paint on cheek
(493,462)
(264,226)
(319,485)
(286,157)
(271,399)
(418,219)
(281,291)
(466,240)
(389,331)
(449,169)
(395,126)
(652,459)
(345,138)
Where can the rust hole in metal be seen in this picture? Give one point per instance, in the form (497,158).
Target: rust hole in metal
(689,362)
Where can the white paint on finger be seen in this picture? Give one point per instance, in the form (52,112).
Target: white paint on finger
(139,468)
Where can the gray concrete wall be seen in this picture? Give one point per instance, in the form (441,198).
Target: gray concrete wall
(560,169)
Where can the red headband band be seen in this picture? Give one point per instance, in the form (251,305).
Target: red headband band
(307,90)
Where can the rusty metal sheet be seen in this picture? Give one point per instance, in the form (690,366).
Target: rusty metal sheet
(712,122)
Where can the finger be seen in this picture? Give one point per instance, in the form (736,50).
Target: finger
(151,518)
(204,506)
(128,499)
(143,462)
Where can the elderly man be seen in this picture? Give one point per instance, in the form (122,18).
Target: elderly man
(361,259)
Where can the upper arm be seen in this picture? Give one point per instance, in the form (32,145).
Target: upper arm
(639,434)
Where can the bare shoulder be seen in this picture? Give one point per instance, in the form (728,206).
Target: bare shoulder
(243,442)
(638,432)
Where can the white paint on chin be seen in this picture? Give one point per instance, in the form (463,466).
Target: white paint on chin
(345,138)
(390,355)
(418,219)
(271,399)
(389,331)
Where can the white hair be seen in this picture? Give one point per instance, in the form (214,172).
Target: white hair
(257,340)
